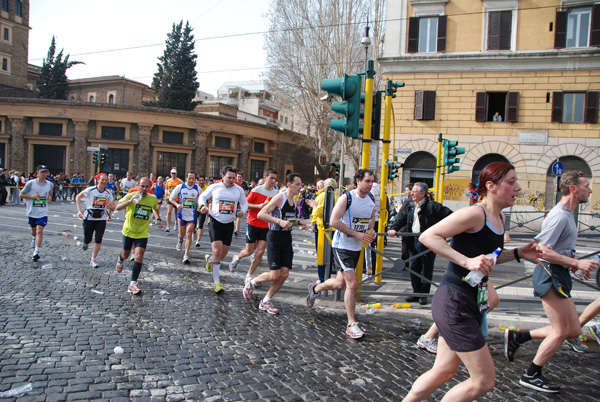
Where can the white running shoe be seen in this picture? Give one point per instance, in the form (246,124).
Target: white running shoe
(186,259)
(354,331)
(429,344)
(248,289)
(178,246)
(94,263)
(234,262)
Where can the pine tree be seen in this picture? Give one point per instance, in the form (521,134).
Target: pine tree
(175,82)
(53,83)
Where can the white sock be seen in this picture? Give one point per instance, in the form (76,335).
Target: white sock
(36,250)
(132,283)
(266,299)
(248,276)
(216,266)
(235,258)
(253,283)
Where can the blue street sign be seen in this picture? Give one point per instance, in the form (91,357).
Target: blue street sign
(558,168)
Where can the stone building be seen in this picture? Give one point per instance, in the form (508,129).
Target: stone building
(536,63)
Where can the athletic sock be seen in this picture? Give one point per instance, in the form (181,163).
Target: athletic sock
(135,271)
(36,250)
(522,337)
(253,283)
(216,267)
(534,369)
(266,299)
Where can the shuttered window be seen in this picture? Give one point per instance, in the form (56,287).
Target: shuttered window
(487,104)
(575,107)
(499,30)
(577,27)
(424,105)
(427,34)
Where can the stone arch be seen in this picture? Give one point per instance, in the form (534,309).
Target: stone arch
(589,155)
(510,152)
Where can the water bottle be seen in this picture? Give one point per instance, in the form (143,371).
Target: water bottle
(580,273)
(475,277)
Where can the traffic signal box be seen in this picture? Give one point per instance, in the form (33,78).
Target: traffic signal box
(347,88)
(393,170)
(376,116)
(451,150)
(336,170)
(95,157)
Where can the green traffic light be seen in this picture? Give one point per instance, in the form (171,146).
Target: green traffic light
(348,88)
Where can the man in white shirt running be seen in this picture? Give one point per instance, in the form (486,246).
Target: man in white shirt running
(127,183)
(184,197)
(226,195)
(38,193)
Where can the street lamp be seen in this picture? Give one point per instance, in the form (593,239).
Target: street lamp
(366,42)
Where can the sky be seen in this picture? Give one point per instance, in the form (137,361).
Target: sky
(126,37)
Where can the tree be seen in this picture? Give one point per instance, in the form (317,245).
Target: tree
(308,41)
(53,82)
(175,82)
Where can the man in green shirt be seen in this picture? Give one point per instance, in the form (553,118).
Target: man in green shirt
(140,206)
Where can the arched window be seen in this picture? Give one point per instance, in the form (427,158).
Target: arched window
(111,98)
(419,166)
(483,162)
(569,162)
(91,98)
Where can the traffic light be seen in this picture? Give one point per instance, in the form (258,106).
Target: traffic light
(95,157)
(102,158)
(390,89)
(393,170)
(375,116)
(348,88)
(450,152)
(336,170)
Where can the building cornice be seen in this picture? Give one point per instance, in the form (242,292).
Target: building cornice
(551,60)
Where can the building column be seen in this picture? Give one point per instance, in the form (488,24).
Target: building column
(78,159)
(243,163)
(17,154)
(200,157)
(144,157)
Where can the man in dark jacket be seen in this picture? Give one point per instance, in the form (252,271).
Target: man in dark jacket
(429,213)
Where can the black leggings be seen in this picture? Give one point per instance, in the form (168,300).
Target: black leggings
(89,227)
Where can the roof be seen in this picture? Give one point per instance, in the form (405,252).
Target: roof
(253,85)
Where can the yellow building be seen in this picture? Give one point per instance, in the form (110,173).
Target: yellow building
(536,64)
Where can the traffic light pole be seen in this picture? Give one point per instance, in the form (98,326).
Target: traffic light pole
(368,117)
(438,169)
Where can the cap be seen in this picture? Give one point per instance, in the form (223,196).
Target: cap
(41,168)
(173,170)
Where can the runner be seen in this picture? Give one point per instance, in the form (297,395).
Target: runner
(173,182)
(552,282)
(244,185)
(135,229)
(353,218)
(256,229)
(98,201)
(185,198)
(111,185)
(37,194)
(158,189)
(127,183)
(280,214)
(224,208)
(201,182)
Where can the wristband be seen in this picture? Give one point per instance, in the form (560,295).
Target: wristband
(158,220)
(516,253)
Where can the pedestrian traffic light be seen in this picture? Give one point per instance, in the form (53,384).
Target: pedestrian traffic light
(102,158)
(95,157)
(450,152)
(375,115)
(390,89)
(393,170)
(348,88)
(336,170)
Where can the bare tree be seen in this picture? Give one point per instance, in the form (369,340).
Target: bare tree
(310,40)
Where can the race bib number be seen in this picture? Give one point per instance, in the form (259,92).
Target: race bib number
(482,297)
(39,202)
(360,224)
(142,212)
(126,189)
(226,207)
(189,202)
(99,202)
(290,217)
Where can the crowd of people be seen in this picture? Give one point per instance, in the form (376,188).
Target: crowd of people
(458,308)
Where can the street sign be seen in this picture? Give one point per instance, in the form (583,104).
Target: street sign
(558,168)
(105,147)
(116,166)
(93,149)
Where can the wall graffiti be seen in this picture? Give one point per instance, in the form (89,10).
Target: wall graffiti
(454,192)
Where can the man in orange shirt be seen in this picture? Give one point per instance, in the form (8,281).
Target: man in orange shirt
(170,186)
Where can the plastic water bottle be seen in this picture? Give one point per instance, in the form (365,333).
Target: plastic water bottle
(580,273)
(475,277)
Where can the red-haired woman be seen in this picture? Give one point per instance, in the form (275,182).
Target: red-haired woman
(475,231)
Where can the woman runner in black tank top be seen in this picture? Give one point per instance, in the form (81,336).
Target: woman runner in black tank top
(454,307)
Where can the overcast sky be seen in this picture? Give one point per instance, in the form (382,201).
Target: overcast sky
(94,31)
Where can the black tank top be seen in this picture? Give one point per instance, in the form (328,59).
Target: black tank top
(286,211)
(484,241)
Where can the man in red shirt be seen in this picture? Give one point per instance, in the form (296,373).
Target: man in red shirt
(256,230)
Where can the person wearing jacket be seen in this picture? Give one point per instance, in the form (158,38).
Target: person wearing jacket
(429,213)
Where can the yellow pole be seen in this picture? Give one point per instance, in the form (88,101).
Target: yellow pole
(438,169)
(367,121)
(321,245)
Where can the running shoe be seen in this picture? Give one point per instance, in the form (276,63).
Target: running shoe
(167,229)
(208,264)
(186,259)
(84,246)
(248,289)
(178,246)
(234,262)
(119,266)
(35,258)
(197,244)
(595,330)
(354,331)
(539,383)
(132,257)
(218,287)
(510,344)
(268,307)
(133,289)
(312,296)
(576,345)
(33,242)
(94,263)
(429,344)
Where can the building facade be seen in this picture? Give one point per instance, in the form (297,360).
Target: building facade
(14,32)
(140,140)
(510,80)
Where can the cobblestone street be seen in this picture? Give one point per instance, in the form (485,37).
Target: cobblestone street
(181,341)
